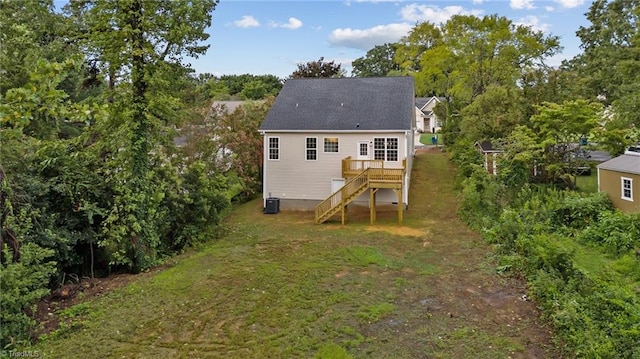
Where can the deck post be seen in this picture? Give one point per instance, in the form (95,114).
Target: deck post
(372,205)
(400,205)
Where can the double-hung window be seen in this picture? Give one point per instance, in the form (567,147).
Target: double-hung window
(627,188)
(274,148)
(385,148)
(331,145)
(311,148)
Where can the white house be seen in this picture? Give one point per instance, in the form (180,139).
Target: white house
(426,119)
(320,134)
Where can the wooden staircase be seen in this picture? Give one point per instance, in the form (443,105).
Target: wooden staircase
(342,197)
(368,178)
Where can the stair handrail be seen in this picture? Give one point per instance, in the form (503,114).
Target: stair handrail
(348,189)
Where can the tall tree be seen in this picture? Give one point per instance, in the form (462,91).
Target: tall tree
(470,56)
(489,51)
(136,43)
(421,38)
(558,128)
(318,69)
(29,31)
(611,58)
(494,114)
(378,62)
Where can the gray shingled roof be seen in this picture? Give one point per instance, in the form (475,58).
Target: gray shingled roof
(343,104)
(230,106)
(627,163)
(421,101)
(487,146)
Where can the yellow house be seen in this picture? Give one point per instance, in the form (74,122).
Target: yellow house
(620,179)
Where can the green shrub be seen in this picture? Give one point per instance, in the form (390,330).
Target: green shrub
(615,231)
(578,211)
(535,231)
(465,156)
(482,198)
(199,202)
(21,285)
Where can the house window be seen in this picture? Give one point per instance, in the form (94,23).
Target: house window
(274,148)
(385,149)
(627,188)
(312,148)
(363,149)
(331,144)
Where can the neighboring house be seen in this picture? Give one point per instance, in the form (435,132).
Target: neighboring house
(217,107)
(426,119)
(620,179)
(327,142)
(226,106)
(490,156)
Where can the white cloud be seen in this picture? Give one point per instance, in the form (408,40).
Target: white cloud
(291,25)
(550,8)
(521,4)
(247,22)
(533,22)
(345,63)
(570,4)
(434,14)
(368,38)
(477,2)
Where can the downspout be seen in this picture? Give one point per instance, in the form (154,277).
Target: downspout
(264,168)
(409,138)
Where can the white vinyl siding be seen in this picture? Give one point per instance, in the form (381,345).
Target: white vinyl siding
(274,148)
(311,148)
(626,185)
(295,177)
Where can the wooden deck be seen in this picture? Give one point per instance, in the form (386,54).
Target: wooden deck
(362,175)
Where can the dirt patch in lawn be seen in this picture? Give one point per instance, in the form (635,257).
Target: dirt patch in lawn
(279,286)
(397,231)
(84,290)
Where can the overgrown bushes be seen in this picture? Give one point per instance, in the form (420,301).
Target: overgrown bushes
(21,285)
(538,232)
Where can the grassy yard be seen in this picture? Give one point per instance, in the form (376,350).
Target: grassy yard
(425,138)
(279,286)
(589,183)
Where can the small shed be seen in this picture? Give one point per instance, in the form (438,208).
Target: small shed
(490,155)
(620,179)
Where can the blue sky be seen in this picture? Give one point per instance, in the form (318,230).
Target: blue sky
(271,37)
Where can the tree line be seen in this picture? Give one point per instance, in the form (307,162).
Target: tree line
(499,86)
(578,254)
(93,96)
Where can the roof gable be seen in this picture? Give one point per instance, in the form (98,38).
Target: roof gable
(421,102)
(343,104)
(627,163)
(487,147)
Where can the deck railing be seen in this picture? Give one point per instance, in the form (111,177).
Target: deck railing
(351,167)
(385,174)
(342,196)
(362,175)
